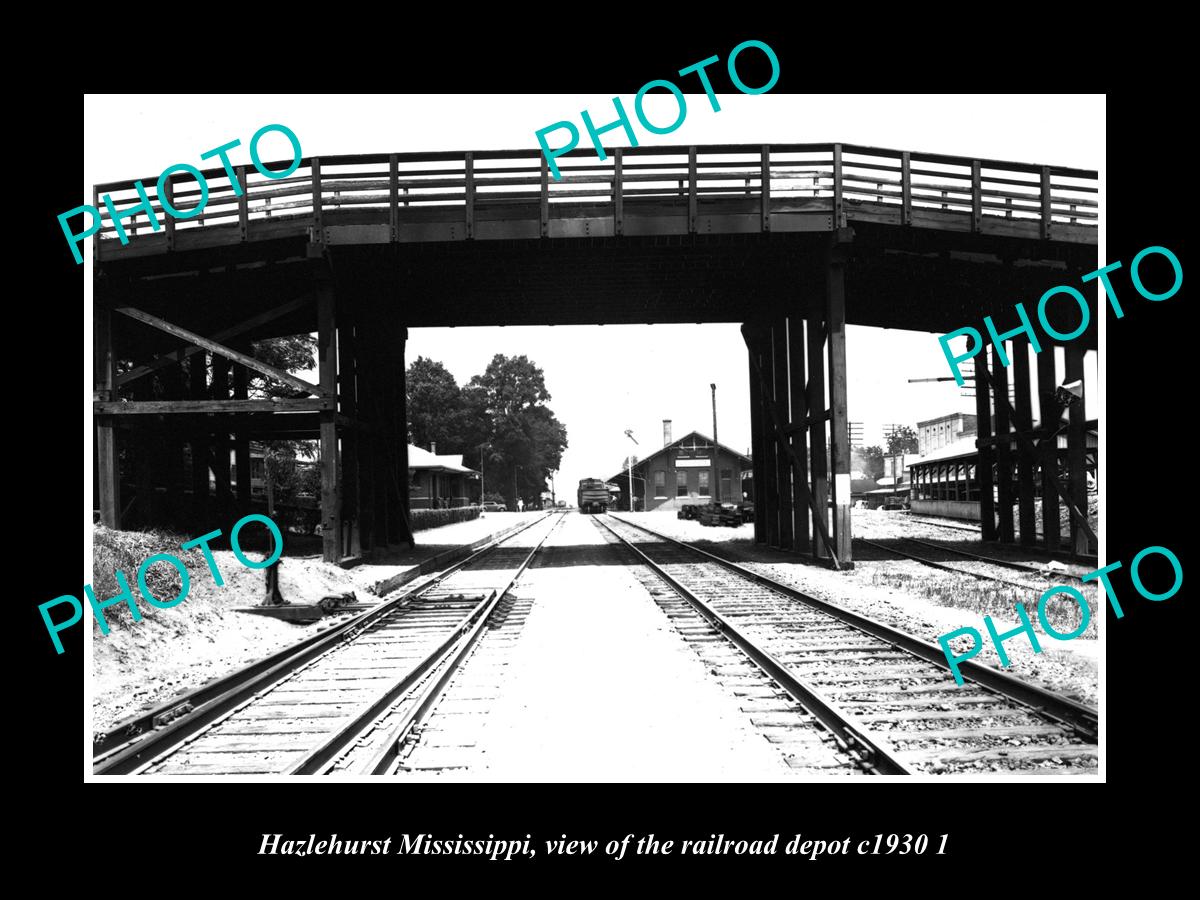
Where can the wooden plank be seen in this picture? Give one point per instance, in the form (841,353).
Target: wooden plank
(1076,451)
(906,188)
(618,188)
(108,483)
(1004,494)
(545,197)
(469,199)
(1048,449)
(331,511)
(1025,458)
(839,425)
(839,213)
(169,407)
(692,190)
(816,435)
(799,437)
(779,388)
(215,347)
(976,195)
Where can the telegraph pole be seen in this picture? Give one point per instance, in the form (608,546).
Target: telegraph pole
(629,466)
(716,455)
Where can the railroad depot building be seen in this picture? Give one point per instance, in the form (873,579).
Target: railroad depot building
(681,473)
(440,481)
(945,481)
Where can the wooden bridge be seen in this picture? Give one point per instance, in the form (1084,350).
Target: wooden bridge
(794,240)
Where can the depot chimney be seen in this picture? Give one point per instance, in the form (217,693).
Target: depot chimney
(666,432)
(433,447)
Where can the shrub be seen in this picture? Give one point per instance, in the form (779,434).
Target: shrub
(436,518)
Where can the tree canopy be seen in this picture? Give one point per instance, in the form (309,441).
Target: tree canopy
(902,440)
(501,414)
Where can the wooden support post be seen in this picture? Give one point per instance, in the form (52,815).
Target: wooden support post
(1004,495)
(331,503)
(819,460)
(221,445)
(367,361)
(404,520)
(757,447)
(839,423)
(147,460)
(762,349)
(987,450)
(1076,451)
(108,481)
(347,318)
(1025,459)
(1048,448)
(241,444)
(783,467)
(171,380)
(198,389)
(799,438)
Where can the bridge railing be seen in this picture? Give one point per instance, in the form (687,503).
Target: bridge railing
(405,188)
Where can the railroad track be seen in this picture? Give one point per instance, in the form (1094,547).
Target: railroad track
(977,560)
(886,697)
(1054,554)
(344,689)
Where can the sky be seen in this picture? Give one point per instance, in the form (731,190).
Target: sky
(651,372)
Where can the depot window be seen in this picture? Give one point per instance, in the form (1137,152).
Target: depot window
(681,489)
(703,473)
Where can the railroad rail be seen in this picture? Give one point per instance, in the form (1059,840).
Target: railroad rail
(989,560)
(296,711)
(894,689)
(1054,554)
(370,198)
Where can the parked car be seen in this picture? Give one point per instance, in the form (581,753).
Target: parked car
(689,511)
(493,506)
(894,502)
(747,510)
(721,514)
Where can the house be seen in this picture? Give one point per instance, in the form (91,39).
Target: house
(683,472)
(440,481)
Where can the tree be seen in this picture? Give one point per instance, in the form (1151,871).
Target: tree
(871,461)
(289,353)
(524,439)
(902,440)
(629,462)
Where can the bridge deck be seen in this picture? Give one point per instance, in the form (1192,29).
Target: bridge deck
(504,195)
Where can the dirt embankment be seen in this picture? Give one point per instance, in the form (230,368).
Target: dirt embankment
(141,663)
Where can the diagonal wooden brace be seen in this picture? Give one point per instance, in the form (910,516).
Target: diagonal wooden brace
(200,341)
(224,334)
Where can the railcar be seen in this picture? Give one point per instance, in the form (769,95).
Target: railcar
(594,496)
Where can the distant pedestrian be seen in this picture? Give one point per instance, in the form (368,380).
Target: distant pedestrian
(520,505)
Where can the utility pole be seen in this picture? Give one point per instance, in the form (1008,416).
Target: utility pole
(716,455)
(629,434)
